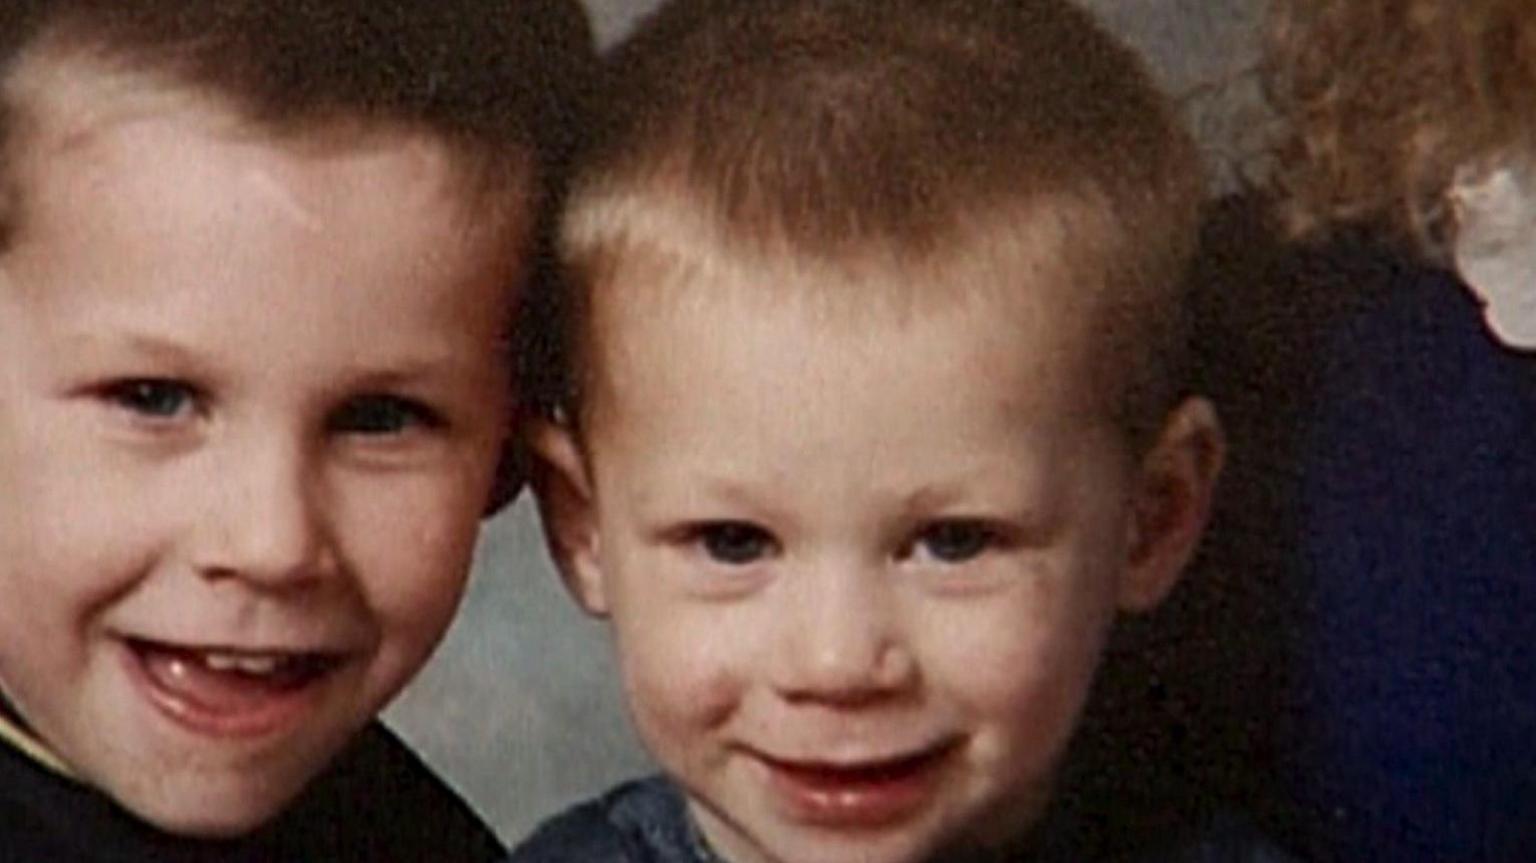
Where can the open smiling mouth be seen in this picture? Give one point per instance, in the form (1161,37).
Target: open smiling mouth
(862,795)
(226,692)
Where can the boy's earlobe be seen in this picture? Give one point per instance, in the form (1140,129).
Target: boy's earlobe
(562,488)
(1173,501)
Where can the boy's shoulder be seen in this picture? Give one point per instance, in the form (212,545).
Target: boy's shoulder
(641,821)
(378,802)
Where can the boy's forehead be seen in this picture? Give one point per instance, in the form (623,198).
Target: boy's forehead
(741,361)
(1040,259)
(170,193)
(1007,284)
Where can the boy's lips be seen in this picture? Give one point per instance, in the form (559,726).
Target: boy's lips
(225,692)
(853,795)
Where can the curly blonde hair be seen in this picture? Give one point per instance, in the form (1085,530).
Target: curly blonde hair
(1383,101)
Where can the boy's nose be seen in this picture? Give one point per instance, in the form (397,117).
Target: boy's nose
(264,521)
(841,640)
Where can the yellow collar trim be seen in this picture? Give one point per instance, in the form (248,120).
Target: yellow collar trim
(32,747)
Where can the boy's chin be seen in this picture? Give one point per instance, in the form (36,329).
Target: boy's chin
(206,808)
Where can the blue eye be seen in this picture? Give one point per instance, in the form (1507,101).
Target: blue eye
(736,543)
(382,415)
(955,540)
(153,398)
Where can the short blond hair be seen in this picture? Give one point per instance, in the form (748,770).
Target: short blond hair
(836,130)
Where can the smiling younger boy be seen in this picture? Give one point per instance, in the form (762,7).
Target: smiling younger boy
(259,263)
(871,422)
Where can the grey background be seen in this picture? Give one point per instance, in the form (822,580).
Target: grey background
(520,709)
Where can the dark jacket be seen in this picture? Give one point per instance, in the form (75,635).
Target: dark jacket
(377,803)
(1368,593)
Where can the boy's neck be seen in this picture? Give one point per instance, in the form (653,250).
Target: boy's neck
(15,732)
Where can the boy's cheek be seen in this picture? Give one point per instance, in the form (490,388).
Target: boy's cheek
(410,546)
(71,543)
(681,672)
(1042,647)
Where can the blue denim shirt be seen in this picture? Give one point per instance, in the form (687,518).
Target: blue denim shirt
(646,821)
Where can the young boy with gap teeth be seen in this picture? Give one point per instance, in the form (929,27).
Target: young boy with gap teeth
(258,266)
(870,422)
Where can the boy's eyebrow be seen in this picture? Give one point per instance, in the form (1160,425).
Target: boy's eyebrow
(724,488)
(943,493)
(414,370)
(397,369)
(157,347)
(932,497)
(704,491)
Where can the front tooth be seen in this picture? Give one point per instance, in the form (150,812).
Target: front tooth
(260,664)
(221,661)
(244,664)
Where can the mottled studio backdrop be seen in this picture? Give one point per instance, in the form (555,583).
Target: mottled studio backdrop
(519,709)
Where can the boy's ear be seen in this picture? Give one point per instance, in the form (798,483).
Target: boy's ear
(1173,492)
(512,466)
(511,475)
(562,487)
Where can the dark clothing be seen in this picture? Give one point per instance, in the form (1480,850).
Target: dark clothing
(647,821)
(1414,673)
(377,803)
(1414,666)
(1370,579)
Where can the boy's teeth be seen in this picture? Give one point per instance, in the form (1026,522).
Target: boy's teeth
(243,663)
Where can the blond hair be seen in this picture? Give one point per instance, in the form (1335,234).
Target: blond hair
(835,130)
